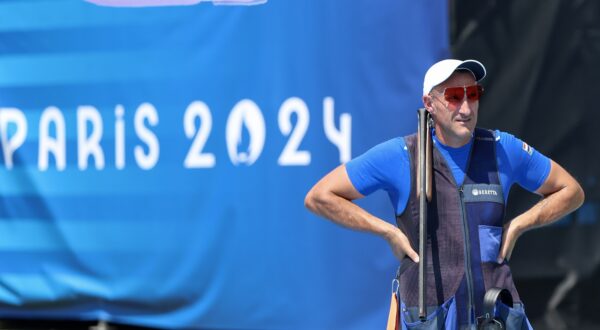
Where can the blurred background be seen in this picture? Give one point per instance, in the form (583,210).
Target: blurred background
(544,59)
(155,155)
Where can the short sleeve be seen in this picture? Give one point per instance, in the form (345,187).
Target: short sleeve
(521,163)
(385,166)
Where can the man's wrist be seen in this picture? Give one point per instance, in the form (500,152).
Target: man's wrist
(518,226)
(388,231)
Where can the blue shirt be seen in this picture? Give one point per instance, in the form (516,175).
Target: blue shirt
(386,166)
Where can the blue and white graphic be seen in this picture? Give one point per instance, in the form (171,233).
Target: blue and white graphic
(148,3)
(155,159)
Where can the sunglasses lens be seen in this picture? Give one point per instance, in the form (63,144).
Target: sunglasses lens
(454,94)
(474,92)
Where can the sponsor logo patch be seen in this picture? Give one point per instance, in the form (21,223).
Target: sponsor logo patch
(477,192)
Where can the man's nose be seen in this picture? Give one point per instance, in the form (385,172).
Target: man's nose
(466,107)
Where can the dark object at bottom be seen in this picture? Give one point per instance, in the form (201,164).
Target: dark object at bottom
(40,324)
(488,321)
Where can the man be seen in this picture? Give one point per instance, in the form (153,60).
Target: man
(469,242)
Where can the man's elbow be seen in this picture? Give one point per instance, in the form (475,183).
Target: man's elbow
(310,201)
(579,196)
(315,199)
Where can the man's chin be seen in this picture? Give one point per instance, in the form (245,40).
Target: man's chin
(465,135)
(464,131)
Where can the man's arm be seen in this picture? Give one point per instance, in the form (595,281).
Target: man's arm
(561,195)
(332,198)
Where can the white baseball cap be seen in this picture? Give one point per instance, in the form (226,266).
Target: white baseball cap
(442,70)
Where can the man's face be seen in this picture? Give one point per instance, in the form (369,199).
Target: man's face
(454,120)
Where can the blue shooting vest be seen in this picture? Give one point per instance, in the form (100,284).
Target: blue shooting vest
(464,231)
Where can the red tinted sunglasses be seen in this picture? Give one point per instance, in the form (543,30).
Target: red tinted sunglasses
(457,94)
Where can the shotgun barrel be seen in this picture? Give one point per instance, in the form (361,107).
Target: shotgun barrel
(424,195)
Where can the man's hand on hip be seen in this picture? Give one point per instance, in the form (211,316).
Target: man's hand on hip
(400,245)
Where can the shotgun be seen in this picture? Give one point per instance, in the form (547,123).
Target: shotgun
(424,175)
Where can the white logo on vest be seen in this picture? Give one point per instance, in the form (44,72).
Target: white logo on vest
(477,192)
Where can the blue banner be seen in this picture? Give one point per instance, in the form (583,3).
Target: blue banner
(155,160)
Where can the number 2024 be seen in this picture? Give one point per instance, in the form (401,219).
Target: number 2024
(246,114)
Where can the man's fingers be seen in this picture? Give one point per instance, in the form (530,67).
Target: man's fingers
(412,255)
(501,255)
(505,253)
(402,248)
(506,248)
(509,251)
(503,247)
(408,250)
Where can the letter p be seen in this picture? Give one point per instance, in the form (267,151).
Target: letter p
(12,143)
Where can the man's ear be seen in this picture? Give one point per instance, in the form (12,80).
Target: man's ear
(427,103)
